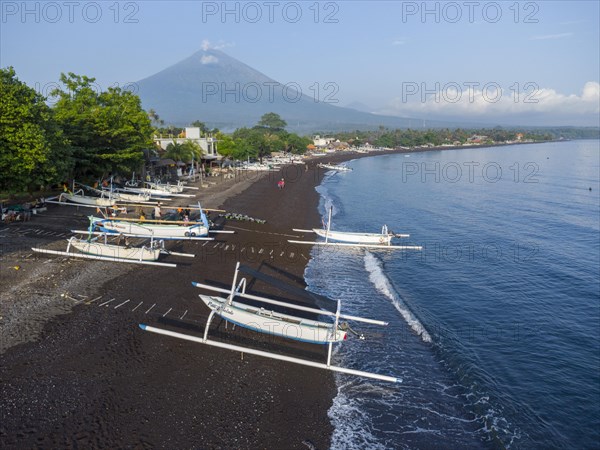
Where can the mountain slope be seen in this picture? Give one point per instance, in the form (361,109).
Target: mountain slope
(215,88)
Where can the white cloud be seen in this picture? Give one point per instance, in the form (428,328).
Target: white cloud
(222,44)
(207,45)
(398,42)
(550,36)
(454,99)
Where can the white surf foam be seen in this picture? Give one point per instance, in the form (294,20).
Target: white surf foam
(383,285)
(351,424)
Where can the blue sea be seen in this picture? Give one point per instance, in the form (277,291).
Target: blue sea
(495,324)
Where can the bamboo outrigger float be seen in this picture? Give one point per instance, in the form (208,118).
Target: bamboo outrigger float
(271,322)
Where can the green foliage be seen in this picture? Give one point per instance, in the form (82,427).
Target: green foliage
(413,138)
(272,121)
(184,151)
(266,137)
(231,147)
(203,128)
(33,149)
(107,130)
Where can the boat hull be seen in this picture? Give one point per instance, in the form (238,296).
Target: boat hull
(94,201)
(132,197)
(146,191)
(357,238)
(273,323)
(115,251)
(334,167)
(151,230)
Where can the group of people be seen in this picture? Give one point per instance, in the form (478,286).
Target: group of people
(183,214)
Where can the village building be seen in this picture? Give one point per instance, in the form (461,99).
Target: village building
(208,144)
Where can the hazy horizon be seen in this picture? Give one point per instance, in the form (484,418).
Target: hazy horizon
(529,63)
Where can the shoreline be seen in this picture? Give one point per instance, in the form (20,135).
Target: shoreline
(89,363)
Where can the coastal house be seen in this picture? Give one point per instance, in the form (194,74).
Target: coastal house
(477,139)
(322,142)
(208,144)
(337,145)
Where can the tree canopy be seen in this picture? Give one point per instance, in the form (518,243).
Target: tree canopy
(184,151)
(34,151)
(107,131)
(272,121)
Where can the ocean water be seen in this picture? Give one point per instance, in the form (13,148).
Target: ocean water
(495,324)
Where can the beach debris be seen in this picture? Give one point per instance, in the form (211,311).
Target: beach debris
(242,217)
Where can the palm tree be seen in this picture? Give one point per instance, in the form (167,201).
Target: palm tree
(183,151)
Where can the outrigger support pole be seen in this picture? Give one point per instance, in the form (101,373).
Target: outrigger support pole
(233,290)
(328,224)
(333,331)
(264,354)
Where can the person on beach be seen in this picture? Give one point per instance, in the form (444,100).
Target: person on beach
(281,184)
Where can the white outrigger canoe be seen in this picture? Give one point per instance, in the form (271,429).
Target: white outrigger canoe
(99,251)
(383,238)
(172,188)
(338,167)
(352,239)
(267,321)
(80,198)
(114,251)
(153,192)
(161,229)
(129,197)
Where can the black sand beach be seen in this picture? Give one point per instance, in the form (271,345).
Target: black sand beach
(91,378)
(76,371)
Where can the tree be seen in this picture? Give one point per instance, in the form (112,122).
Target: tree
(272,121)
(33,150)
(154,118)
(230,147)
(201,125)
(297,144)
(183,151)
(107,130)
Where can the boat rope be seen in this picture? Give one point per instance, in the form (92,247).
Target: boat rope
(344,326)
(263,232)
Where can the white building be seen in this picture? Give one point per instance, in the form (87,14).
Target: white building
(322,142)
(208,144)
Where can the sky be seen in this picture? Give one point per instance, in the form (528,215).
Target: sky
(509,62)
